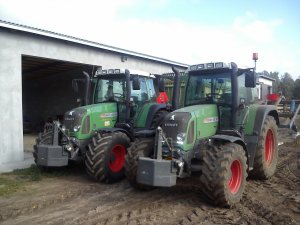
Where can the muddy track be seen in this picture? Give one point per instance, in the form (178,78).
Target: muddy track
(78,200)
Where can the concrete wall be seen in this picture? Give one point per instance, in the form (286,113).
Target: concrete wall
(14,44)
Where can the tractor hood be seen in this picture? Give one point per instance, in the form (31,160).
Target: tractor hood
(191,123)
(82,121)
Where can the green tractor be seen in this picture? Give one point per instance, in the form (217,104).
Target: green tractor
(221,134)
(124,107)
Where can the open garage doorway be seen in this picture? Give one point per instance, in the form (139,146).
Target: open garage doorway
(47,92)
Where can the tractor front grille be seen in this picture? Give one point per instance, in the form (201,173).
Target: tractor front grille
(69,122)
(175,123)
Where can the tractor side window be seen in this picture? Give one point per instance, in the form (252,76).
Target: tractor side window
(245,93)
(110,90)
(197,89)
(222,91)
(151,89)
(142,94)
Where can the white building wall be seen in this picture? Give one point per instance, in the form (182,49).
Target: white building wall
(14,44)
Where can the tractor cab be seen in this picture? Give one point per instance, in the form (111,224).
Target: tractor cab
(229,88)
(132,92)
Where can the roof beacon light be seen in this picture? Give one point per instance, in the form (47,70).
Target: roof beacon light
(255,56)
(110,71)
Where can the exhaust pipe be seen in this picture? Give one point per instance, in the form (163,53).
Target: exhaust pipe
(87,88)
(128,95)
(176,88)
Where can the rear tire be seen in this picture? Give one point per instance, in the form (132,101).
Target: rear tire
(265,160)
(224,173)
(141,147)
(105,158)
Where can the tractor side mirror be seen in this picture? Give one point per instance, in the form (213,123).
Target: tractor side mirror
(161,85)
(136,83)
(250,79)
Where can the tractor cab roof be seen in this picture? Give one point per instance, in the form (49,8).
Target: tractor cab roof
(213,66)
(209,66)
(115,72)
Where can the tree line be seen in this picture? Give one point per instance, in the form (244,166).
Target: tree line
(284,84)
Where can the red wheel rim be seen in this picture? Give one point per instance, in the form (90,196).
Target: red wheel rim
(236,177)
(117,158)
(269,147)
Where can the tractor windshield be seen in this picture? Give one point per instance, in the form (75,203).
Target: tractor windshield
(110,89)
(208,89)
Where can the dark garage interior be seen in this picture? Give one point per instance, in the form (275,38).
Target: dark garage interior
(47,91)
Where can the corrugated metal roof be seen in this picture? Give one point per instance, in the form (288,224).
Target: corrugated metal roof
(59,36)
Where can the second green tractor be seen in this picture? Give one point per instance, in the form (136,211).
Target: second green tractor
(220,136)
(123,108)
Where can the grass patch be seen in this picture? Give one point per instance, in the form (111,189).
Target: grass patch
(32,173)
(18,179)
(8,186)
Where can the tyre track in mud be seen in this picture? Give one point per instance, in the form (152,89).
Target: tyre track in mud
(78,200)
(283,190)
(276,200)
(63,206)
(40,200)
(160,206)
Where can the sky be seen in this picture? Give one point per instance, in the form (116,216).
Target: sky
(186,31)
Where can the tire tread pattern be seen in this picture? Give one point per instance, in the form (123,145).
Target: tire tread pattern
(260,169)
(215,173)
(98,154)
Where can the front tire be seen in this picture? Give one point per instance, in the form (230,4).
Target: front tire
(224,173)
(141,147)
(105,157)
(266,156)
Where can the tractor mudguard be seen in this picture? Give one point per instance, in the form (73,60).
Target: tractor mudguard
(251,140)
(261,113)
(115,129)
(232,139)
(154,109)
(156,172)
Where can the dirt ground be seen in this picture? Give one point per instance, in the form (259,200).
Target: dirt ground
(75,199)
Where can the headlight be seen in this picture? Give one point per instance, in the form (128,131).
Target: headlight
(180,137)
(76,128)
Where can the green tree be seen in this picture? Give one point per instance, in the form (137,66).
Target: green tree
(276,83)
(287,85)
(296,91)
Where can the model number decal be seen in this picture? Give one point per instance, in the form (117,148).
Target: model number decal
(210,120)
(108,115)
